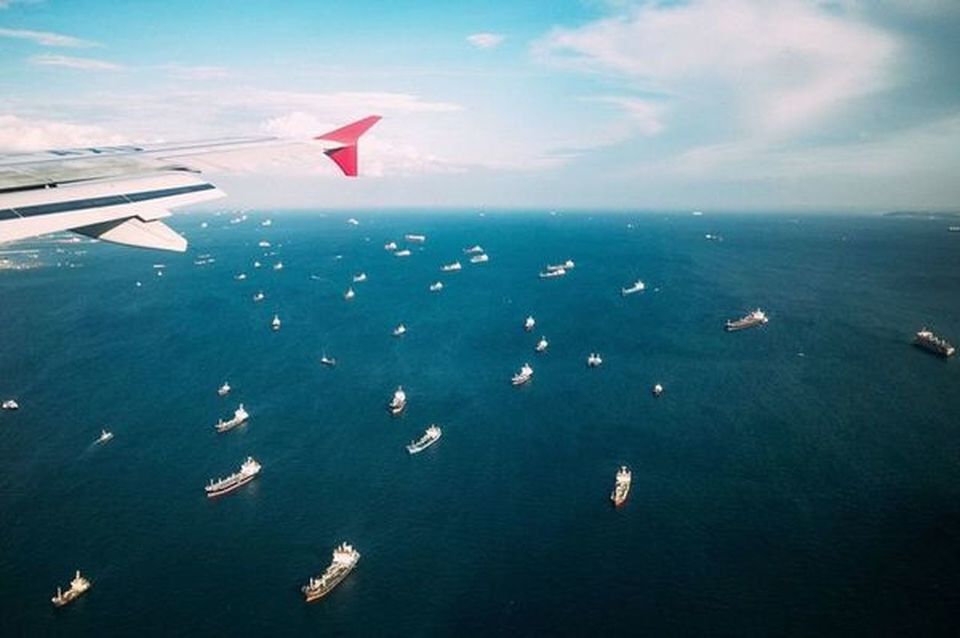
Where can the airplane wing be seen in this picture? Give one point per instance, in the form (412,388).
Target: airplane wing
(121,193)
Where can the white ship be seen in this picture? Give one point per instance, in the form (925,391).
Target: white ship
(541,345)
(259,296)
(241,277)
(224,390)
(400,330)
(267,222)
(353,222)
(104,436)
(430,436)
(328,361)
(473,250)
(78,586)
(482,258)
(567,265)
(264,244)
(345,558)
(525,374)
(622,487)
(360,278)
(275,324)
(398,402)
(278,265)
(402,253)
(755,318)
(594,360)
(638,286)
(239,416)
(417,239)
(10,404)
(657,390)
(529,324)
(451,267)
(548,274)
(390,246)
(349,294)
(436,286)
(248,471)
(257,264)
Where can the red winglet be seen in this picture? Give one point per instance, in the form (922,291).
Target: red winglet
(346,156)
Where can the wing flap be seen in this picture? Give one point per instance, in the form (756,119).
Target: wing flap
(136,232)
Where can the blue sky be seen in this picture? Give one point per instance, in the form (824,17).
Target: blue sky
(711,104)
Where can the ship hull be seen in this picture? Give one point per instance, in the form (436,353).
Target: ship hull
(934,349)
(312,596)
(734,327)
(226,490)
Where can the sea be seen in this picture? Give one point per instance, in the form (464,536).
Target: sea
(797,479)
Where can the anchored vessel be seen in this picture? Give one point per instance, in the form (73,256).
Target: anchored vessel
(436,286)
(541,345)
(224,390)
(398,402)
(938,345)
(558,272)
(402,253)
(104,436)
(451,267)
(529,324)
(755,318)
(275,324)
(525,374)
(430,436)
(345,558)
(400,330)
(248,471)
(567,265)
(239,416)
(594,360)
(328,361)
(622,487)
(473,250)
(258,297)
(360,278)
(419,239)
(10,404)
(479,259)
(349,294)
(657,390)
(390,245)
(78,586)
(278,265)
(638,286)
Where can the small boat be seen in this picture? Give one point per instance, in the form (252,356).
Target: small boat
(953,229)
(398,402)
(541,345)
(451,267)
(657,390)
(267,222)
(78,586)
(275,324)
(548,274)
(400,330)
(278,265)
(241,277)
(204,225)
(622,487)
(264,244)
(104,436)
(402,253)
(525,374)
(755,318)
(224,390)
(417,239)
(353,222)
(638,286)
(240,416)
(436,286)
(328,361)
(529,324)
(430,436)
(257,264)
(390,246)
(473,250)
(10,404)
(349,294)
(594,360)
(360,278)
(482,258)
(567,265)
(259,296)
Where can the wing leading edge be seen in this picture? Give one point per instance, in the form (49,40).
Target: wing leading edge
(120,193)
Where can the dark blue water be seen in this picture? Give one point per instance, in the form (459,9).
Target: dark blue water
(799,479)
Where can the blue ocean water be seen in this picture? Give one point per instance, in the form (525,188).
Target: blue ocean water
(798,479)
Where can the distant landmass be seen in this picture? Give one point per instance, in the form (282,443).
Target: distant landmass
(927,214)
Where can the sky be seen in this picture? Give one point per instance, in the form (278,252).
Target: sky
(564,104)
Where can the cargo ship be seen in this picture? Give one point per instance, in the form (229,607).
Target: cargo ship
(755,318)
(937,345)
(345,558)
(430,436)
(248,471)
(622,488)
(78,586)
(525,374)
(451,267)
(239,416)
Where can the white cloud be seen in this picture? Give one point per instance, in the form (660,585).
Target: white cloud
(486,40)
(777,66)
(198,72)
(645,114)
(46,38)
(70,62)
(18,134)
